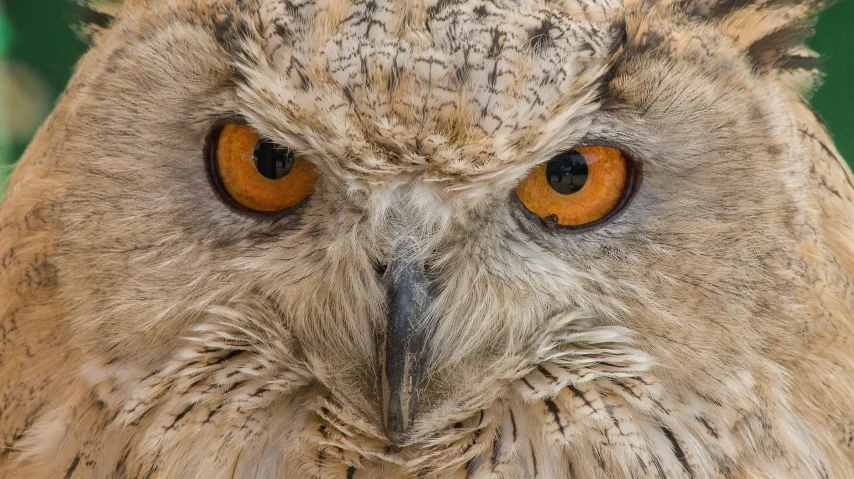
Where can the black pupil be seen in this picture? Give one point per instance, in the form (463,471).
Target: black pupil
(272,160)
(567,172)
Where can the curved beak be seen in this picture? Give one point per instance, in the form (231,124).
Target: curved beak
(403,348)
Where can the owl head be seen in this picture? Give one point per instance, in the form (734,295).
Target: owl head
(411,217)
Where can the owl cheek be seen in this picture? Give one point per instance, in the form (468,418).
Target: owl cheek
(402,348)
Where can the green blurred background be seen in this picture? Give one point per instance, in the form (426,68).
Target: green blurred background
(40,50)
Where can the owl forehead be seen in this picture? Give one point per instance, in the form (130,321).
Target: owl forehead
(460,88)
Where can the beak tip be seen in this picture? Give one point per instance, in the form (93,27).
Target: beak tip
(397,426)
(396,442)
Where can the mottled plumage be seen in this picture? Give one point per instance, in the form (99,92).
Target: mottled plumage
(149,331)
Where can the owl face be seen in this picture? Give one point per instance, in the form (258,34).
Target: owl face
(430,264)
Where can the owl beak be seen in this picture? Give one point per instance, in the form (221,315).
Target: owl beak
(402,349)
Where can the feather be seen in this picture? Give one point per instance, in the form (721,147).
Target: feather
(95,16)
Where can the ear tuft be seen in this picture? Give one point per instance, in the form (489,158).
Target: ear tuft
(96,15)
(771,33)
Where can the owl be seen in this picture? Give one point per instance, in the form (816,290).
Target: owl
(365,239)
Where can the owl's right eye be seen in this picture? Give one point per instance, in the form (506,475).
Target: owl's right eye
(258,174)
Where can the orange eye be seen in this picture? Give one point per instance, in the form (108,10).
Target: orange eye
(578,187)
(257,173)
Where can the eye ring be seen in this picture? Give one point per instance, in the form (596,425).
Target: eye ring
(633,180)
(239,154)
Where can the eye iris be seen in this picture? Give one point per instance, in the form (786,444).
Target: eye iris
(272,160)
(579,187)
(567,172)
(256,174)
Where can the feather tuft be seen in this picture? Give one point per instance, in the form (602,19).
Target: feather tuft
(95,16)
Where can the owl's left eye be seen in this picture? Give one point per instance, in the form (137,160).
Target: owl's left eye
(581,187)
(258,174)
